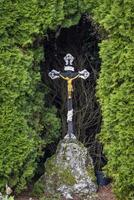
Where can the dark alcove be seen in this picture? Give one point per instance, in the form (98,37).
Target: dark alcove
(81,41)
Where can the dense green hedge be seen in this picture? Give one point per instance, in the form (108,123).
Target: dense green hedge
(115,90)
(23,116)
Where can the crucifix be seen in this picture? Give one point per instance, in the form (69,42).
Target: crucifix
(69,75)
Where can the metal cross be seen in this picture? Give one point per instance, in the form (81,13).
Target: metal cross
(69,75)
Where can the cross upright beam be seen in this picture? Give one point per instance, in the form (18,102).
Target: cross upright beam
(69,75)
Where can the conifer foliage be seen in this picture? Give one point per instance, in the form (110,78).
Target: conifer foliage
(115,91)
(23,114)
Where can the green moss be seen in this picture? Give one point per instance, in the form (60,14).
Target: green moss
(61,175)
(54,177)
(67,177)
(90,172)
(50,166)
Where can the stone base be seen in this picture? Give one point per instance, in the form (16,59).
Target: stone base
(70,172)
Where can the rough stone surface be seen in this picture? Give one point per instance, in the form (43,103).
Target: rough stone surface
(70,172)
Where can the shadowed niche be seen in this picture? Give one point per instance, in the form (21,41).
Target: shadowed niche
(81,41)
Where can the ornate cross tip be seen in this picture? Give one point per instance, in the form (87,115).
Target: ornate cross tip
(54,74)
(69,59)
(69,62)
(84,74)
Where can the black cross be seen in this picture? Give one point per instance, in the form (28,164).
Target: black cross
(69,75)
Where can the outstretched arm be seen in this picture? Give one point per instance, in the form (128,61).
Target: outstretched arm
(67,78)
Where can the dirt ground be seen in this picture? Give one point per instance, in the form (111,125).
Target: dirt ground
(104,193)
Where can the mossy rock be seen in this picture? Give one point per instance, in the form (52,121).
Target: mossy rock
(60,175)
(53,178)
(70,171)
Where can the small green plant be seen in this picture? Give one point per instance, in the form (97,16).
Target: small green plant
(38,189)
(8,192)
(6,197)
